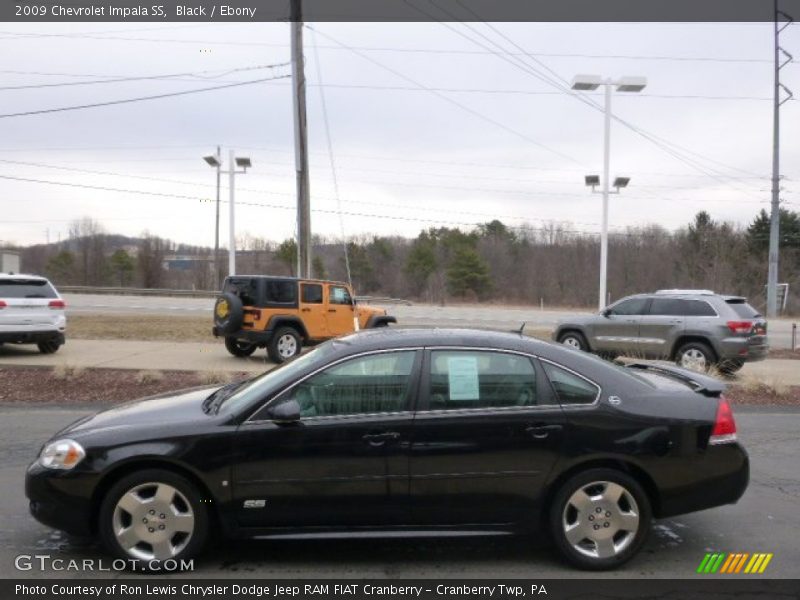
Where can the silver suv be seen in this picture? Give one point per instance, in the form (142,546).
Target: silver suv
(31,312)
(696,328)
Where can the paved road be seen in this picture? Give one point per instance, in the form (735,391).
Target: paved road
(212,356)
(765,520)
(419,315)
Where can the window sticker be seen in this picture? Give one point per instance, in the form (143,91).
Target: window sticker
(462,375)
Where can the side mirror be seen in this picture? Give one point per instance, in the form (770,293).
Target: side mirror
(606,312)
(285,413)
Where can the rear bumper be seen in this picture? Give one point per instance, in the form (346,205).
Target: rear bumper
(735,348)
(259,337)
(31,337)
(721,477)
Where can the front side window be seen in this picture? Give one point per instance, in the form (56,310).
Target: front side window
(340,295)
(480,379)
(570,388)
(377,383)
(632,306)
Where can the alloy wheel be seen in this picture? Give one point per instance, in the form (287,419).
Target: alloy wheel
(153,521)
(601,519)
(287,346)
(694,359)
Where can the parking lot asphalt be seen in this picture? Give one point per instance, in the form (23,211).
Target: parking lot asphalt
(766,519)
(212,356)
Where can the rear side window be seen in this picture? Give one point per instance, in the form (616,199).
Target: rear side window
(280,292)
(311,293)
(26,288)
(668,306)
(699,308)
(478,379)
(570,388)
(742,308)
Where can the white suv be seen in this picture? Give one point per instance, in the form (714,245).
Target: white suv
(31,312)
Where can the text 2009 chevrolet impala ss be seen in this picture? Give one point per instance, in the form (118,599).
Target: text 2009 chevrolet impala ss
(445,431)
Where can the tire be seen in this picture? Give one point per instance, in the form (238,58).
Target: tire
(574,339)
(48,346)
(730,366)
(131,506)
(604,533)
(697,356)
(228,313)
(240,348)
(285,344)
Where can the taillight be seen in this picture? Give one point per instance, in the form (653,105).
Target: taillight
(740,326)
(57,304)
(724,430)
(3,304)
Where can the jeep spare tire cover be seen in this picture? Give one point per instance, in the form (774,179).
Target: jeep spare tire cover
(228,313)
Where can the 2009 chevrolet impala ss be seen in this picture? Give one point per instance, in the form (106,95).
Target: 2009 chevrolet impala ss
(449,432)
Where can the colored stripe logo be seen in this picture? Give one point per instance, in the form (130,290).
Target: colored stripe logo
(735,562)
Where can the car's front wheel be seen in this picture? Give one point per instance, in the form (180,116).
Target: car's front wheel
(151,517)
(285,344)
(573,339)
(599,519)
(239,348)
(48,346)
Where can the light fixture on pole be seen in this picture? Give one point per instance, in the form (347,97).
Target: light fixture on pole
(234,161)
(589,83)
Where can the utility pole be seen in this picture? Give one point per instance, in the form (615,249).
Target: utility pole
(300,144)
(775,218)
(217,266)
(603,295)
(231,217)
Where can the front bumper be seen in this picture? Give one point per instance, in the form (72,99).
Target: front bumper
(31,337)
(61,499)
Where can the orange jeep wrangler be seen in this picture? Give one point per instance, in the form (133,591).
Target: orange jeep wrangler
(285,313)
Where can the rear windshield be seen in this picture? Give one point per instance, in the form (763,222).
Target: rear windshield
(26,288)
(742,308)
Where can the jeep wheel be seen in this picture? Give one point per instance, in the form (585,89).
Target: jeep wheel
(285,344)
(573,339)
(240,348)
(695,356)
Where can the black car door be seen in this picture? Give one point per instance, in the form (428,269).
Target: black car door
(345,463)
(485,438)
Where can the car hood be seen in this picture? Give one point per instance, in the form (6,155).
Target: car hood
(182,407)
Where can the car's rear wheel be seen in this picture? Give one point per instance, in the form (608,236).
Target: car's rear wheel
(285,344)
(153,516)
(240,348)
(696,356)
(599,519)
(48,346)
(574,339)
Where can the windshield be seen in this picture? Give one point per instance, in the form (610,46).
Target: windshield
(276,378)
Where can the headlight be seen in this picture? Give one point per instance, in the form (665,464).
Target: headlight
(61,454)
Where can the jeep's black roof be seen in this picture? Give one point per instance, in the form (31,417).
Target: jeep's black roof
(285,278)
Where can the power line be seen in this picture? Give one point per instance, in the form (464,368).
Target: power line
(140,98)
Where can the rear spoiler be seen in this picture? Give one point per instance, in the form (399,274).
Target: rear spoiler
(702,384)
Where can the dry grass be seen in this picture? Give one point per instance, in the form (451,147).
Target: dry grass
(214,377)
(772,387)
(144,328)
(149,376)
(66,371)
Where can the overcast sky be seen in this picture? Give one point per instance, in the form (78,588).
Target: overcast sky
(487,139)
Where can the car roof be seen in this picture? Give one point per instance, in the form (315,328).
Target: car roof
(23,276)
(282,278)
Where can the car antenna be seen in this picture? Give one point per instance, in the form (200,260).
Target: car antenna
(522,328)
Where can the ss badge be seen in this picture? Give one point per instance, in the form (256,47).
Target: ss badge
(255,503)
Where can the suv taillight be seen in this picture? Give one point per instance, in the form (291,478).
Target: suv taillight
(740,326)
(724,430)
(57,304)
(3,304)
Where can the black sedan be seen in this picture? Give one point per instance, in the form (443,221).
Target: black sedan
(387,432)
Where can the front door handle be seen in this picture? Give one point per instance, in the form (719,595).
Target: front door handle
(306,309)
(379,439)
(541,431)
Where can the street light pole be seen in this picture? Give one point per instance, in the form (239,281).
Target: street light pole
(232,215)
(217,269)
(624,84)
(606,175)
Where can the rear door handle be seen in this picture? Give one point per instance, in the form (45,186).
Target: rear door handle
(331,310)
(379,439)
(541,431)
